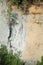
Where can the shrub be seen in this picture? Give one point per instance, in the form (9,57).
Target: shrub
(40,62)
(7,58)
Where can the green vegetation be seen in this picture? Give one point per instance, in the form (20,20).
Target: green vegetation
(8,58)
(19,2)
(40,62)
(23,4)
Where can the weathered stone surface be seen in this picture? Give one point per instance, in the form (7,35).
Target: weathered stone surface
(34,9)
(28,34)
(34,37)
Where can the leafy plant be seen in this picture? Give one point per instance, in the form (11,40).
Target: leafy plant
(8,58)
(40,62)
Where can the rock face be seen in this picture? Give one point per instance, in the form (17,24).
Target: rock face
(36,9)
(34,34)
(27,36)
(33,27)
(3,23)
(18,33)
(34,38)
